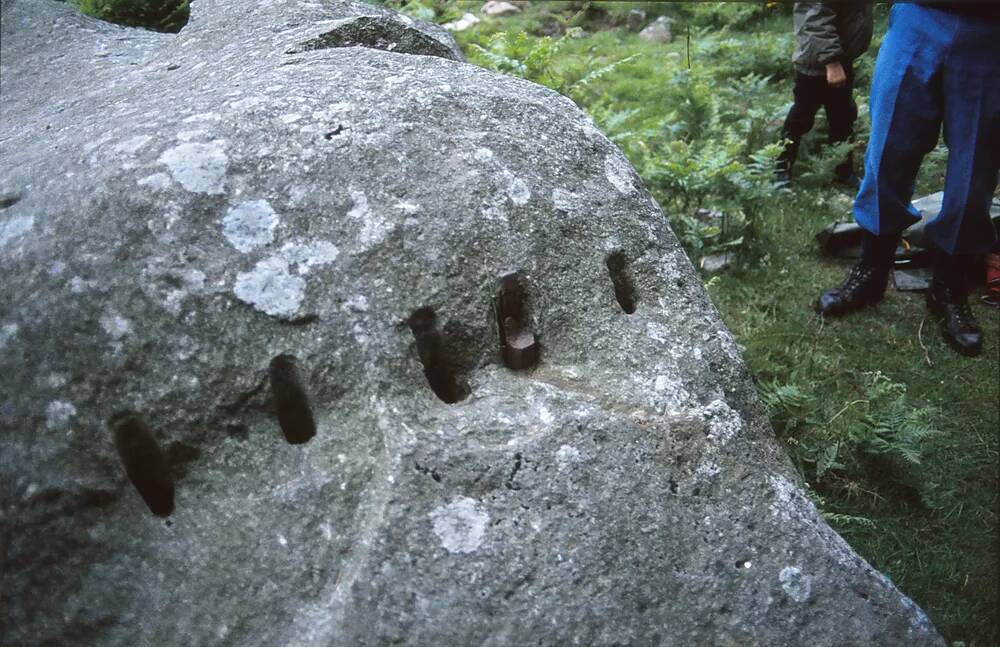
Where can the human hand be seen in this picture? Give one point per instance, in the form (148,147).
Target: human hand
(835,74)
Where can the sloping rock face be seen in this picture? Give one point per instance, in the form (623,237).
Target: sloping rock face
(253,390)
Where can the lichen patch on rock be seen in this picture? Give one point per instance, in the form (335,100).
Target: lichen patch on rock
(271,288)
(249,225)
(795,583)
(460,525)
(302,257)
(7,333)
(198,167)
(13,227)
(58,414)
(619,173)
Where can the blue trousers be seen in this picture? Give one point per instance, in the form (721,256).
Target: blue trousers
(934,67)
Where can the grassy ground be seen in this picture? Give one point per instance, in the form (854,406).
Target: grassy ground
(931,527)
(896,434)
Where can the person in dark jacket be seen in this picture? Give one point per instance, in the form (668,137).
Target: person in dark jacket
(939,64)
(829,37)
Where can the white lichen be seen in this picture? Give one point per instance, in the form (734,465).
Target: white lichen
(566,456)
(7,333)
(79,285)
(619,173)
(373,226)
(198,167)
(356,303)
(115,325)
(789,503)
(517,190)
(795,584)
(723,423)
(12,228)
(460,525)
(270,288)
(58,414)
(303,256)
(249,225)
(156,181)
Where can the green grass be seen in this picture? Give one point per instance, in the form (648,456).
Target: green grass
(896,434)
(934,525)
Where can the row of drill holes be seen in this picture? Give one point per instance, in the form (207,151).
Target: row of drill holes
(440,366)
(147,467)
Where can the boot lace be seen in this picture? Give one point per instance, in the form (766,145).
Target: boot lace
(859,276)
(962,316)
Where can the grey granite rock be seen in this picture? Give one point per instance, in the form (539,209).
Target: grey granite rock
(928,207)
(244,269)
(657,31)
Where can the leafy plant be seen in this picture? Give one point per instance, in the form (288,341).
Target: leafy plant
(159,15)
(430,10)
(712,150)
(878,437)
(519,54)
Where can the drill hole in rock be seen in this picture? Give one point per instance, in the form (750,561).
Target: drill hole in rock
(9,199)
(518,345)
(145,463)
(624,288)
(291,400)
(440,367)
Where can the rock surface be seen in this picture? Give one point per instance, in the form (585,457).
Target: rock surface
(467,20)
(636,18)
(657,31)
(499,8)
(247,265)
(715,263)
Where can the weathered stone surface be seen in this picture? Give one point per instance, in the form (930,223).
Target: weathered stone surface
(246,279)
(657,31)
(467,20)
(499,8)
(715,263)
(636,18)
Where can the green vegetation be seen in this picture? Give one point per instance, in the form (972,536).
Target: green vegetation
(160,15)
(895,433)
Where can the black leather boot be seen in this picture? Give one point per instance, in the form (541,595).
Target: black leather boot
(844,174)
(785,162)
(958,326)
(864,286)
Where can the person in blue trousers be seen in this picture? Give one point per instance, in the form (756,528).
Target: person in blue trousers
(939,65)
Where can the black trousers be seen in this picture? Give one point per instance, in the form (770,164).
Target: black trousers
(812,93)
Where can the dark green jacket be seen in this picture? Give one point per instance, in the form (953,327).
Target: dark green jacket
(830,31)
